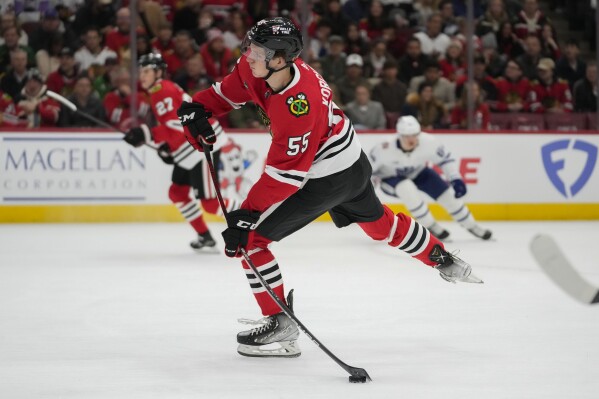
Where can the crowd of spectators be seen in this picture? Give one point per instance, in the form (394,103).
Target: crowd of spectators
(382,58)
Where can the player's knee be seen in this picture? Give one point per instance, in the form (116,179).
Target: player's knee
(178,193)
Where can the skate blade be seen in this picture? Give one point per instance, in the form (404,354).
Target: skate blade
(288,349)
(471,279)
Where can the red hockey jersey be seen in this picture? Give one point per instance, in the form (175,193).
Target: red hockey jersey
(165,98)
(509,92)
(311,137)
(543,97)
(118,108)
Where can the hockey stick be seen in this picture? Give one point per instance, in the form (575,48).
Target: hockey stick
(87,116)
(554,263)
(356,374)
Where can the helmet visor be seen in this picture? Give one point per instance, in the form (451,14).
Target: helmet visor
(255,51)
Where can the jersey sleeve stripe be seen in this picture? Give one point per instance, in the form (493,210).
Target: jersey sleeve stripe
(335,141)
(218,91)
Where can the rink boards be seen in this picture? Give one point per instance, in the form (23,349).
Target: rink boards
(55,176)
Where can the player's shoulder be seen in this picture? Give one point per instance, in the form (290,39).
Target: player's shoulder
(427,137)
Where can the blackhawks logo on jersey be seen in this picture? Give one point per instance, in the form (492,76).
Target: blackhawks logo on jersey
(298,106)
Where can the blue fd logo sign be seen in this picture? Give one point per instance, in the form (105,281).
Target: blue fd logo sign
(561,157)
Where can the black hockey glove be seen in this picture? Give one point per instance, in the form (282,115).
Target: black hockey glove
(459,187)
(137,136)
(164,152)
(240,223)
(195,117)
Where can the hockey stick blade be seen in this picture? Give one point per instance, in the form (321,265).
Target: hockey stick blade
(353,371)
(559,269)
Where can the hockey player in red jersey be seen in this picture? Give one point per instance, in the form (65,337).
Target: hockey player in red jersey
(190,170)
(315,164)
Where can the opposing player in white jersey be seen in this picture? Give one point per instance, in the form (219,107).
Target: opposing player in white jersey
(189,167)
(401,165)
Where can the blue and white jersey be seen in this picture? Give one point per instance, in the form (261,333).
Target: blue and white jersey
(389,160)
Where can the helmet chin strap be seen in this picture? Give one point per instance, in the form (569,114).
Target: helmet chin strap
(272,70)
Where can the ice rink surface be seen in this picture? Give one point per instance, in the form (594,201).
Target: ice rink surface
(128,311)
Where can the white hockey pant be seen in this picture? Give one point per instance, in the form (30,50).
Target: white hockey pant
(411,197)
(457,209)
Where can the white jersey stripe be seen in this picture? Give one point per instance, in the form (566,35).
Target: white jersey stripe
(218,91)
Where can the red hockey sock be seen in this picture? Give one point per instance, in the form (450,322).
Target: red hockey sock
(403,232)
(190,209)
(268,268)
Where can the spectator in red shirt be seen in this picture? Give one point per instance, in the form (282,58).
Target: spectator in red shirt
(194,78)
(549,94)
(459,114)
(118,39)
(453,65)
(216,56)
(374,24)
(185,48)
(512,90)
(38,109)
(63,79)
(163,43)
(9,112)
(117,103)
(530,20)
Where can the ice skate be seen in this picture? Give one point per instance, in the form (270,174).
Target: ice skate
(204,243)
(276,336)
(439,231)
(481,233)
(451,268)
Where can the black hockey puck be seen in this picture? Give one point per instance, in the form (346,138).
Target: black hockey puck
(354,379)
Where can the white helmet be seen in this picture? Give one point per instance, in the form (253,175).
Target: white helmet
(407,126)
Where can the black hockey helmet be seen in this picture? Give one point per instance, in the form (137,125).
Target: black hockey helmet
(274,35)
(152,60)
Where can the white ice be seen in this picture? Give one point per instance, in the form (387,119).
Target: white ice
(128,311)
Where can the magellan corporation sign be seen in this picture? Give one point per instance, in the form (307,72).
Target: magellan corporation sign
(78,167)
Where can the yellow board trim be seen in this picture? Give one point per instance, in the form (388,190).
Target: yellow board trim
(168,213)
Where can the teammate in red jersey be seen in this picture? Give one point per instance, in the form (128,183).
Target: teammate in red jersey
(315,164)
(190,169)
